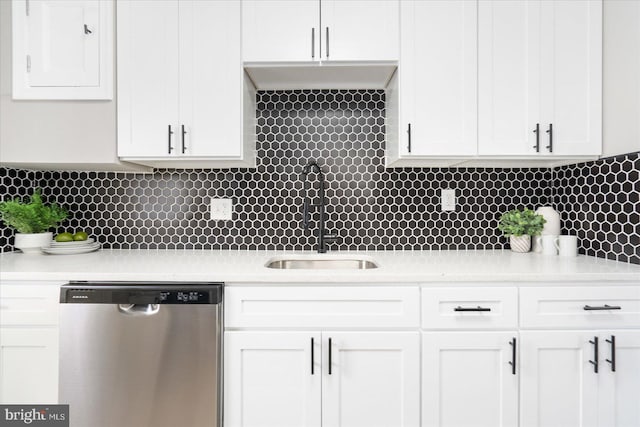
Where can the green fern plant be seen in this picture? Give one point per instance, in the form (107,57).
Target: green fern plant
(31,217)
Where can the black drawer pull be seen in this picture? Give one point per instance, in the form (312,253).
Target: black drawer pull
(313,362)
(602,307)
(512,343)
(478,308)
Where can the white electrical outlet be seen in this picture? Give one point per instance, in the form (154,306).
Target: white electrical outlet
(221,209)
(448,200)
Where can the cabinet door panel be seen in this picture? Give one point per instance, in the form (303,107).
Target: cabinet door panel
(360,30)
(558,384)
(467,380)
(268,379)
(619,390)
(508,76)
(148,71)
(28,365)
(210,78)
(62,54)
(438,77)
(280,30)
(571,34)
(374,379)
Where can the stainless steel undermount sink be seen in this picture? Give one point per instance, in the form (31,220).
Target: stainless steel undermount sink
(322,262)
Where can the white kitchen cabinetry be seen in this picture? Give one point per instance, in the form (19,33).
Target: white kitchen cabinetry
(310,30)
(540,78)
(470,375)
(349,375)
(469,379)
(438,78)
(269,380)
(28,342)
(62,49)
(182,93)
(584,377)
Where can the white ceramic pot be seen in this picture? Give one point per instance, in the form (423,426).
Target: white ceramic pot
(31,243)
(520,243)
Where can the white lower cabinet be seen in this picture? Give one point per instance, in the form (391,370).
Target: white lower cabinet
(469,379)
(580,378)
(29,342)
(28,365)
(301,379)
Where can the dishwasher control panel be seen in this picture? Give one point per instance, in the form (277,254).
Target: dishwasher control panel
(85,293)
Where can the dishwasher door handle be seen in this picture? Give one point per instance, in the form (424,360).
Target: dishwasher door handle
(139,309)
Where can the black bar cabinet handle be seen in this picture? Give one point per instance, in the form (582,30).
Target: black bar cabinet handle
(478,308)
(601,307)
(612,341)
(594,362)
(330,362)
(313,43)
(512,343)
(327,42)
(313,362)
(537,132)
(409,137)
(184,147)
(550,132)
(169,133)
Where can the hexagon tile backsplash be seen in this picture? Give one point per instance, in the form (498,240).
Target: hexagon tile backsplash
(370,207)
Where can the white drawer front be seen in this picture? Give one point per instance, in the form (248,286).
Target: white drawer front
(469,308)
(573,307)
(322,307)
(27,304)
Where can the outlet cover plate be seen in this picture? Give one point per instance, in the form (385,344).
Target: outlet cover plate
(221,209)
(448,200)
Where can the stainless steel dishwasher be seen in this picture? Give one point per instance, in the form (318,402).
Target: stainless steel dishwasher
(141,354)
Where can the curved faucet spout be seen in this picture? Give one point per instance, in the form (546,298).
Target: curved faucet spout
(311,165)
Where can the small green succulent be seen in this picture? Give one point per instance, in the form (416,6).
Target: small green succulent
(521,223)
(31,217)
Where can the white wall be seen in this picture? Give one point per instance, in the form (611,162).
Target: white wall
(52,134)
(621,85)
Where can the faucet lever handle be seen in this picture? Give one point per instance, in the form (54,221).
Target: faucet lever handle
(331,238)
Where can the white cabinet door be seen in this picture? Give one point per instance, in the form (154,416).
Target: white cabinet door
(210,79)
(571,80)
(438,78)
(371,379)
(468,379)
(269,381)
(62,49)
(28,365)
(148,70)
(280,30)
(619,383)
(558,384)
(508,77)
(360,30)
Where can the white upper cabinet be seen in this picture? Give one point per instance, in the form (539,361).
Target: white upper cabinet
(571,77)
(62,49)
(438,83)
(280,31)
(148,71)
(310,30)
(540,78)
(181,90)
(508,76)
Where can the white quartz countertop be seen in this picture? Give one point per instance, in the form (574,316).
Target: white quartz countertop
(248,267)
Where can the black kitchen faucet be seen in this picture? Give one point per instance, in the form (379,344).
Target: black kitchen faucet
(323,238)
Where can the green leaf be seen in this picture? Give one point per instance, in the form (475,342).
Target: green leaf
(31,217)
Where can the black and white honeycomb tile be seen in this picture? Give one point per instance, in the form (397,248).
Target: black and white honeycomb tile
(600,203)
(369,207)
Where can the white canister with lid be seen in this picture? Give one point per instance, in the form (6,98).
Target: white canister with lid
(551,227)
